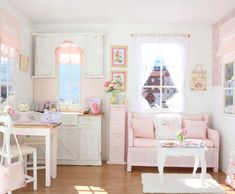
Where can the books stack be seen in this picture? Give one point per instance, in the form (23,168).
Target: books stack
(194,143)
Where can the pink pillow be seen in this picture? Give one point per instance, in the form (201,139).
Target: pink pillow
(143,127)
(195,117)
(196,129)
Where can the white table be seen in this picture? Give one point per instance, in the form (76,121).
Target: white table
(179,150)
(50,132)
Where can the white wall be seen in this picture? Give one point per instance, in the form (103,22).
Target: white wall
(119,34)
(223,123)
(23,81)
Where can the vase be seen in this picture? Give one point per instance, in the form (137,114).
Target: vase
(113,99)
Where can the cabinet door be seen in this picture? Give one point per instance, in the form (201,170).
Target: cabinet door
(44,55)
(68,143)
(89,148)
(94,56)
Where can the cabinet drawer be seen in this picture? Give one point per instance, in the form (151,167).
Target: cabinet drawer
(117,140)
(118,114)
(117,128)
(89,121)
(116,154)
(69,119)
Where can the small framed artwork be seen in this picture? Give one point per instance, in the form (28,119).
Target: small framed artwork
(120,76)
(24,63)
(119,56)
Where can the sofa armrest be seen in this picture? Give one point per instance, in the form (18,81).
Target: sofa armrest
(213,135)
(130,137)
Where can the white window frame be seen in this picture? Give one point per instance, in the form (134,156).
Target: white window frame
(7,83)
(160,87)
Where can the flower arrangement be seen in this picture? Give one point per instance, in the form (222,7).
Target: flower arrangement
(114,87)
(9,109)
(181,134)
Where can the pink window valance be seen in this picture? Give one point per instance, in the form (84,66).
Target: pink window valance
(9,30)
(68,53)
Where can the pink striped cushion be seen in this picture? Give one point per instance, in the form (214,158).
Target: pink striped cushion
(196,129)
(143,127)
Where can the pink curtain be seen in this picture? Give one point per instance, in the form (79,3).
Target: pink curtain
(9,31)
(68,53)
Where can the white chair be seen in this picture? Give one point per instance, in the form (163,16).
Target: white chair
(12,152)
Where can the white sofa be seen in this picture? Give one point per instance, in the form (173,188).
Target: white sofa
(142,151)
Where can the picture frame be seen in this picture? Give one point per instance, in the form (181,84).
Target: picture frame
(24,62)
(120,76)
(119,56)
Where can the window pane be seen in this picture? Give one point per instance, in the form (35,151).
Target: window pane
(166,77)
(11,90)
(3,69)
(75,73)
(228,82)
(167,93)
(152,95)
(64,72)
(228,101)
(3,93)
(11,71)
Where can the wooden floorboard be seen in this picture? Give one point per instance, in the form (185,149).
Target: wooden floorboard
(107,179)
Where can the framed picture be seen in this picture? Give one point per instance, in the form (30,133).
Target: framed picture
(199,78)
(24,63)
(120,76)
(119,56)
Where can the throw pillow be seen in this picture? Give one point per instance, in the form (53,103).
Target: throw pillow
(195,117)
(196,129)
(167,125)
(143,127)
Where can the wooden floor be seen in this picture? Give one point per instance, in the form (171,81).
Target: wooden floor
(108,179)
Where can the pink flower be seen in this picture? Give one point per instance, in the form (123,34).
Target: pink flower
(10,110)
(106,83)
(184,131)
(115,86)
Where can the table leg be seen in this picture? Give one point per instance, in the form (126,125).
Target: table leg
(161,161)
(54,153)
(196,164)
(48,160)
(203,166)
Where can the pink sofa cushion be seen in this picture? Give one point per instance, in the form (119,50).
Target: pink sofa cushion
(145,142)
(143,127)
(197,117)
(196,129)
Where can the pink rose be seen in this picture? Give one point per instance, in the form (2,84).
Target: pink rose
(115,86)
(106,84)
(184,131)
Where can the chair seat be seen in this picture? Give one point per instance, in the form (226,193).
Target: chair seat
(25,150)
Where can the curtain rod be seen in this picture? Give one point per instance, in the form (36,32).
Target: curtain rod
(66,33)
(159,34)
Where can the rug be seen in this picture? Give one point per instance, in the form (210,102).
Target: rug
(180,183)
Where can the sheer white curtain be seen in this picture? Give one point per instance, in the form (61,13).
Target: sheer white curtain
(174,51)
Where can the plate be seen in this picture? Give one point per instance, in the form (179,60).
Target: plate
(168,144)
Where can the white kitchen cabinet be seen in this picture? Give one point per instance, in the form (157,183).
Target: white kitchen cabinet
(44,57)
(79,141)
(94,66)
(90,140)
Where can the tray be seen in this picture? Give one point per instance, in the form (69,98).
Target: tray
(168,144)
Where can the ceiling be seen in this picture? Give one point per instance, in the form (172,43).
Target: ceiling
(202,12)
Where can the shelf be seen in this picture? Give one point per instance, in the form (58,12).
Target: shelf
(43,77)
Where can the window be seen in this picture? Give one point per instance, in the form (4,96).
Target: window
(229,88)
(69,60)
(6,72)
(159,89)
